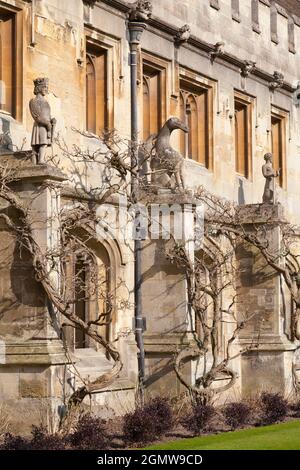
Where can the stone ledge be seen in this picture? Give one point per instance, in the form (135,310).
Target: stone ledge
(119,385)
(168,197)
(34,353)
(168,338)
(260,213)
(168,343)
(268,343)
(38,173)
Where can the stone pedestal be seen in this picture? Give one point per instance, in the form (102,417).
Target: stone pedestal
(164,291)
(267,365)
(32,358)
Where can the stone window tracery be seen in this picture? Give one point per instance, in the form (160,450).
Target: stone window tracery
(243,135)
(11,38)
(154,95)
(96,90)
(88,278)
(195,104)
(278,142)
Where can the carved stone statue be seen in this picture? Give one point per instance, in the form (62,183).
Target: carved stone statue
(166,163)
(278,80)
(247,68)
(270,174)
(217,51)
(43,127)
(182,35)
(140,11)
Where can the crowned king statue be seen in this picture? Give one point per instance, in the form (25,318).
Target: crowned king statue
(43,127)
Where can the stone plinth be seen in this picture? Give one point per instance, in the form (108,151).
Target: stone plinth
(32,354)
(39,173)
(30,317)
(260,213)
(267,365)
(164,290)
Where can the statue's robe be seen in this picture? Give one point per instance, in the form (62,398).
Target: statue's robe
(40,111)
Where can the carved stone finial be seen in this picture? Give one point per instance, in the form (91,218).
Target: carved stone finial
(217,51)
(141,11)
(43,127)
(277,82)
(182,35)
(270,174)
(247,67)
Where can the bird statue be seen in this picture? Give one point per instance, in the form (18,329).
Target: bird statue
(166,162)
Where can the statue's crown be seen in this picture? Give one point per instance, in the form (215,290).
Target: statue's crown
(268,156)
(41,81)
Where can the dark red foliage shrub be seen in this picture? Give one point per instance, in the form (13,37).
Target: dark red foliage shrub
(40,440)
(236,414)
(160,411)
(12,442)
(274,407)
(138,427)
(148,422)
(89,434)
(295,407)
(199,418)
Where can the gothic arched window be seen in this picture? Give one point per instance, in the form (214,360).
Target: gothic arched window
(146,108)
(7,62)
(196,113)
(279,131)
(183,137)
(90,95)
(243,134)
(96,89)
(88,276)
(151,102)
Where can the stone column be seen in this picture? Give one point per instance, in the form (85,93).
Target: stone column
(33,360)
(164,292)
(268,363)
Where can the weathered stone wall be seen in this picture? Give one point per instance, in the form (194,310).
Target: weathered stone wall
(263,299)
(58,52)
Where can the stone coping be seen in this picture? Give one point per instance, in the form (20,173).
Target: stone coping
(168,197)
(260,213)
(33,353)
(161,344)
(268,343)
(39,173)
(122,383)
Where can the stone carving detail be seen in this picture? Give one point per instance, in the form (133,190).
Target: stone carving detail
(217,51)
(277,82)
(166,163)
(5,142)
(247,68)
(270,174)
(182,35)
(141,11)
(43,127)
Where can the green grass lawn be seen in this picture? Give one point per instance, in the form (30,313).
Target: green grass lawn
(285,436)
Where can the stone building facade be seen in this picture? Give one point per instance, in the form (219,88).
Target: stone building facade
(234,79)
